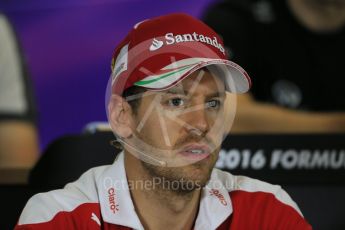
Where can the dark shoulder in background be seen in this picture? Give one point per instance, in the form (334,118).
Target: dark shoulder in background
(290,65)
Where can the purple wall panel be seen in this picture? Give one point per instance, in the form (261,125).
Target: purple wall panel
(68,47)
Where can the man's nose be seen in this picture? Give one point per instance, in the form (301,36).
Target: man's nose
(198,121)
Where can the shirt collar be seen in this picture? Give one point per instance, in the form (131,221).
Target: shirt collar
(117,206)
(114,196)
(215,204)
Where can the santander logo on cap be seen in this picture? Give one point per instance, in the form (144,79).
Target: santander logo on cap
(171,39)
(156,44)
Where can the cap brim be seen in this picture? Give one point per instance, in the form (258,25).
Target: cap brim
(235,77)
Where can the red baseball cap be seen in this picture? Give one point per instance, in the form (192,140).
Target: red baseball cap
(158,53)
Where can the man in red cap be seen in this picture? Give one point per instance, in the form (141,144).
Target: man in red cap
(169,94)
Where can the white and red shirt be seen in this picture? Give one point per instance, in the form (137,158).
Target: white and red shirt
(100,199)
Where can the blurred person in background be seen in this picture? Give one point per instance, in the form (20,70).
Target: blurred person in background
(294,51)
(18,134)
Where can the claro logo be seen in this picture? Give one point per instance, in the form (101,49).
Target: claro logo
(112,200)
(171,39)
(216,193)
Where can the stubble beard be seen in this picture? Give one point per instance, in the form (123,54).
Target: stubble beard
(177,180)
(180,180)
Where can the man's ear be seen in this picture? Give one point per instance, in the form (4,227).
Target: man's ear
(120,116)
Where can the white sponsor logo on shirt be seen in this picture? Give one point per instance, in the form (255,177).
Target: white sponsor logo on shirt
(95,218)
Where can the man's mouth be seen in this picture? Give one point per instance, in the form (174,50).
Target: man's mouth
(195,151)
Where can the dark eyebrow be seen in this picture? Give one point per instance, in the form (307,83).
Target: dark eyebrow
(177,91)
(184,92)
(216,94)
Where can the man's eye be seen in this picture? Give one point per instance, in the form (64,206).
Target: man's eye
(213,104)
(175,102)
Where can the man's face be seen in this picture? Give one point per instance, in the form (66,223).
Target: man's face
(182,126)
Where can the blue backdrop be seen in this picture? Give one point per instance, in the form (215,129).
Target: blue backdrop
(68,46)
